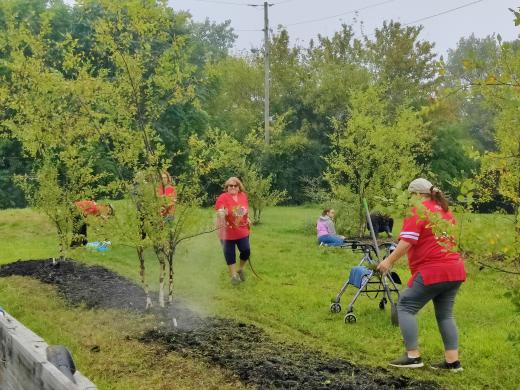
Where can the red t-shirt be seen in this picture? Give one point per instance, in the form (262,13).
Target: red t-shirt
(236,212)
(168,192)
(436,262)
(88,207)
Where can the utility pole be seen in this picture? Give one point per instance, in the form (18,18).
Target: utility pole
(266,71)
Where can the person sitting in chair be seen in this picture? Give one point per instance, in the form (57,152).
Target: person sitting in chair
(327,231)
(382,223)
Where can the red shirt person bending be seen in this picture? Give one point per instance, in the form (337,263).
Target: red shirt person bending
(437,273)
(79,223)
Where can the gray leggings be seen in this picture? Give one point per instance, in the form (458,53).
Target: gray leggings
(414,298)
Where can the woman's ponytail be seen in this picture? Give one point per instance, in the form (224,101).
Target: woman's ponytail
(439,197)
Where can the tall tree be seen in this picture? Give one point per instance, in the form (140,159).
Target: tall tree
(374,151)
(471,60)
(403,63)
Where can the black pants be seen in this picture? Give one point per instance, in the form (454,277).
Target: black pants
(79,232)
(230,253)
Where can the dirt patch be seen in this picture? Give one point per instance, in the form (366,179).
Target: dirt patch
(241,348)
(81,284)
(256,359)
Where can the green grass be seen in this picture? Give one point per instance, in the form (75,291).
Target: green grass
(291,301)
(121,361)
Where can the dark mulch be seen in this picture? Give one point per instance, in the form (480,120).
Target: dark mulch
(241,348)
(81,284)
(256,359)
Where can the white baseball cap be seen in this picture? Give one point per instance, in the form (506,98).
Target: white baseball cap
(420,186)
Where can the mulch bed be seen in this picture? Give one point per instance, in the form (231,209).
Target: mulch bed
(243,349)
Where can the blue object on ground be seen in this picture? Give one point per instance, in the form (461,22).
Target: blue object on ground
(99,246)
(356,275)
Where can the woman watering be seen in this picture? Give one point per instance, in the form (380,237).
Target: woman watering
(233,227)
(166,191)
(437,273)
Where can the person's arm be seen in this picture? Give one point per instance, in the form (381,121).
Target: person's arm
(220,222)
(401,249)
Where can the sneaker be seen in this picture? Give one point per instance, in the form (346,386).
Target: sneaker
(453,367)
(407,362)
(242,275)
(235,280)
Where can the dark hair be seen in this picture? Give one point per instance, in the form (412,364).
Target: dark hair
(439,197)
(325,212)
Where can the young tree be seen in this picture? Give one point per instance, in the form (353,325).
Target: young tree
(148,73)
(46,116)
(373,151)
(260,192)
(503,92)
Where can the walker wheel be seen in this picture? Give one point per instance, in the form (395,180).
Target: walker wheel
(350,318)
(382,304)
(335,307)
(393,314)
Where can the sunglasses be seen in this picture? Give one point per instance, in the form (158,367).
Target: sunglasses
(232,185)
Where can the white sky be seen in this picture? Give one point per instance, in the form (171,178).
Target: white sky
(483,17)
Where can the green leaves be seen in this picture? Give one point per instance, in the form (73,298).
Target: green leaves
(517,16)
(374,151)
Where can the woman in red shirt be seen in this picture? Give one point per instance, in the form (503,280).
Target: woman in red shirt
(166,191)
(437,273)
(233,226)
(84,208)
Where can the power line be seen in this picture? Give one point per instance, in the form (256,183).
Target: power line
(242,4)
(283,2)
(223,2)
(434,15)
(443,12)
(342,14)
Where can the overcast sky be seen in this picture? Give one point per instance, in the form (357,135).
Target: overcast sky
(305,19)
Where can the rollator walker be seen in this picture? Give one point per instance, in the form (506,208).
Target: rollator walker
(367,279)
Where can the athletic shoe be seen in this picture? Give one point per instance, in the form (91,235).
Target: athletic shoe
(235,280)
(242,275)
(407,362)
(453,367)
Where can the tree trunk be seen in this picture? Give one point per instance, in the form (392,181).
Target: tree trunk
(162,271)
(171,255)
(517,224)
(140,254)
(361,226)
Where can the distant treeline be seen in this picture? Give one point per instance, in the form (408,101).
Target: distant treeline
(343,107)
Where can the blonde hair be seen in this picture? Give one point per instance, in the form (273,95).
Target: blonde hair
(234,180)
(165,180)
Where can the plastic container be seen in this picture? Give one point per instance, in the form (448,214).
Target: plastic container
(99,246)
